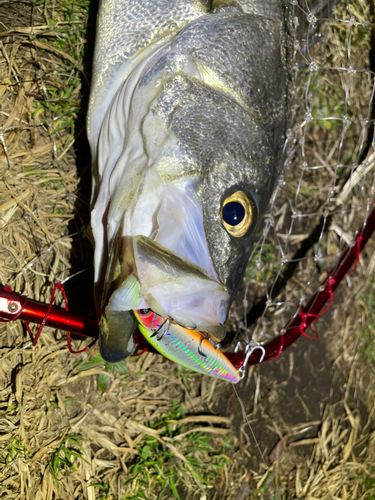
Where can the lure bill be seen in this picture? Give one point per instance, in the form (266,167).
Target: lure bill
(185,347)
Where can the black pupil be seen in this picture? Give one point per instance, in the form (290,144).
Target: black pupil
(145,311)
(233,213)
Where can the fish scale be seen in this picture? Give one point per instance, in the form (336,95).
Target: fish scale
(125,28)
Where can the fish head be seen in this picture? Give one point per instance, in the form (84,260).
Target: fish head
(187,170)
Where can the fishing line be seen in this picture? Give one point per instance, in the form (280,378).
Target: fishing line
(250,427)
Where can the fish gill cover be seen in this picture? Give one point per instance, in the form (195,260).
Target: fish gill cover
(323,196)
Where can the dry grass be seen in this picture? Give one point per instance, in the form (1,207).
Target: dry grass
(40,97)
(154,428)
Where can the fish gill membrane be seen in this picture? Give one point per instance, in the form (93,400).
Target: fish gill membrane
(188,118)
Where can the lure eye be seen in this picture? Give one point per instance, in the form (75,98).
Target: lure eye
(144,312)
(237,214)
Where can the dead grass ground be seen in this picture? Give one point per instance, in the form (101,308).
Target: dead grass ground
(155,429)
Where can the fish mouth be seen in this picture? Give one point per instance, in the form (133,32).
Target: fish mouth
(177,289)
(171,287)
(145,274)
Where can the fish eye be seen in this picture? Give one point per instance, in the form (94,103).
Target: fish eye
(237,214)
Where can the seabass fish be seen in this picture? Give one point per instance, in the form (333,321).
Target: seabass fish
(186,124)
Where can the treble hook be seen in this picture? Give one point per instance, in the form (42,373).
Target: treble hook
(248,352)
(164,332)
(200,347)
(214,344)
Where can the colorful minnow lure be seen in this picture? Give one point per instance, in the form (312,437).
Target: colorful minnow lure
(185,347)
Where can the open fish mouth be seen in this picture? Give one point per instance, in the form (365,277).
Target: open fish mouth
(170,286)
(168,269)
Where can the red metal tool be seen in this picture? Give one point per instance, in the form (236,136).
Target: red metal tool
(15,306)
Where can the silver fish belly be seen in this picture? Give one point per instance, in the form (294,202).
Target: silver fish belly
(186,125)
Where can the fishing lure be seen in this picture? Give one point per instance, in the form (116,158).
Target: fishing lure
(186,347)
